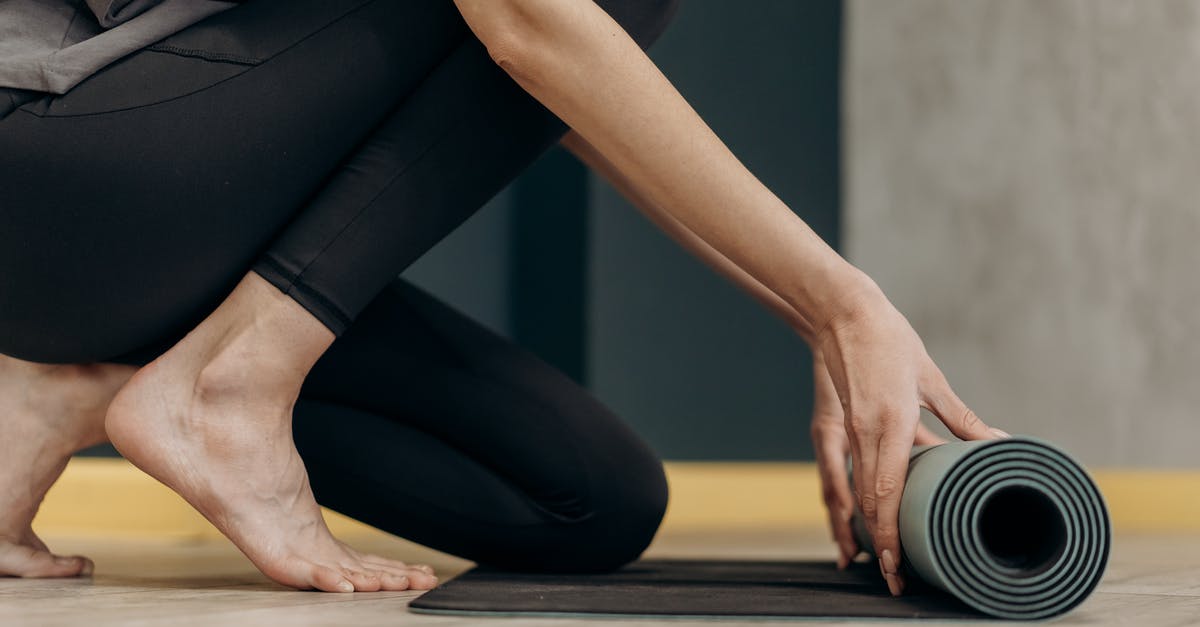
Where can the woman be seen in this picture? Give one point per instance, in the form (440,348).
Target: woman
(199,247)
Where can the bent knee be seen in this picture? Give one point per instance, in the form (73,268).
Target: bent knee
(617,532)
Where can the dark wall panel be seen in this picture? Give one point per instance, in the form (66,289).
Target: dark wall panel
(698,367)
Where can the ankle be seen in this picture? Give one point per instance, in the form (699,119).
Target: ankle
(234,373)
(259,340)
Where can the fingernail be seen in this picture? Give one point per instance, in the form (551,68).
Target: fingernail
(888,561)
(999,434)
(345,586)
(894,584)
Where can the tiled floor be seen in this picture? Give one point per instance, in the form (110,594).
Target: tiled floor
(1152,580)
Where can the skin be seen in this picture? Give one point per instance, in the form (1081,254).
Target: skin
(48,412)
(831,444)
(211,417)
(577,61)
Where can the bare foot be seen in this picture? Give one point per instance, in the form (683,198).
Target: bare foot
(212,419)
(47,413)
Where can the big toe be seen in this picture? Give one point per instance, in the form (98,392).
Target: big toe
(329,579)
(26,561)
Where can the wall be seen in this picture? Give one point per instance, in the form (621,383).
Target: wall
(697,367)
(1021,178)
(560,263)
(469,269)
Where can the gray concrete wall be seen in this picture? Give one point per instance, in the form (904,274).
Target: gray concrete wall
(1023,179)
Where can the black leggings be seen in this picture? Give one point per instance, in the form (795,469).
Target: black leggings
(325,145)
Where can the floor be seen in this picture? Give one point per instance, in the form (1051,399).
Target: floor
(1152,580)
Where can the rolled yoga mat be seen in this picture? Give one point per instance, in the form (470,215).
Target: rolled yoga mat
(1013,528)
(1004,528)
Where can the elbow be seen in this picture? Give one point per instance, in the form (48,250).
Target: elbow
(515,54)
(513,35)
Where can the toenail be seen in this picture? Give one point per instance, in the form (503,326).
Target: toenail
(88,569)
(345,586)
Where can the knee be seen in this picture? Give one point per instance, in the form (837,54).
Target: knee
(620,528)
(644,20)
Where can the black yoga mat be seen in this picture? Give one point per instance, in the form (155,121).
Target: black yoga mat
(692,588)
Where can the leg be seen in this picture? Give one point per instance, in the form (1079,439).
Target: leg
(467,117)
(174,169)
(211,416)
(203,413)
(423,423)
(136,202)
(49,413)
(128,174)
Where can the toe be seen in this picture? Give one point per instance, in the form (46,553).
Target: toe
(363,580)
(329,580)
(395,581)
(421,580)
(420,576)
(25,561)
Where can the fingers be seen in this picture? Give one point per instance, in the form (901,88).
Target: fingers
(832,448)
(939,398)
(890,472)
(831,451)
(884,439)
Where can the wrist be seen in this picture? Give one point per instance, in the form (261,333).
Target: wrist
(851,296)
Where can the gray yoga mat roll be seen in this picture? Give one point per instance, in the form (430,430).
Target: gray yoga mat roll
(1014,528)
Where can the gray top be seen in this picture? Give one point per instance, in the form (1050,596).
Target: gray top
(52,45)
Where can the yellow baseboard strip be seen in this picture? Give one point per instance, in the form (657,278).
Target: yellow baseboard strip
(111,497)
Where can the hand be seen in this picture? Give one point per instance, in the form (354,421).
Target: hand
(832,448)
(881,376)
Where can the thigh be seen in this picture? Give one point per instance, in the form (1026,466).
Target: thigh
(456,142)
(424,423)
(135,202)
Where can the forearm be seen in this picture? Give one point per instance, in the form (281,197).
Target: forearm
(681,234)
(578,62)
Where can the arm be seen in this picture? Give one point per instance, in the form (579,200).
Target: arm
(571,56)
(577,61)
(828,433)
(591,157)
